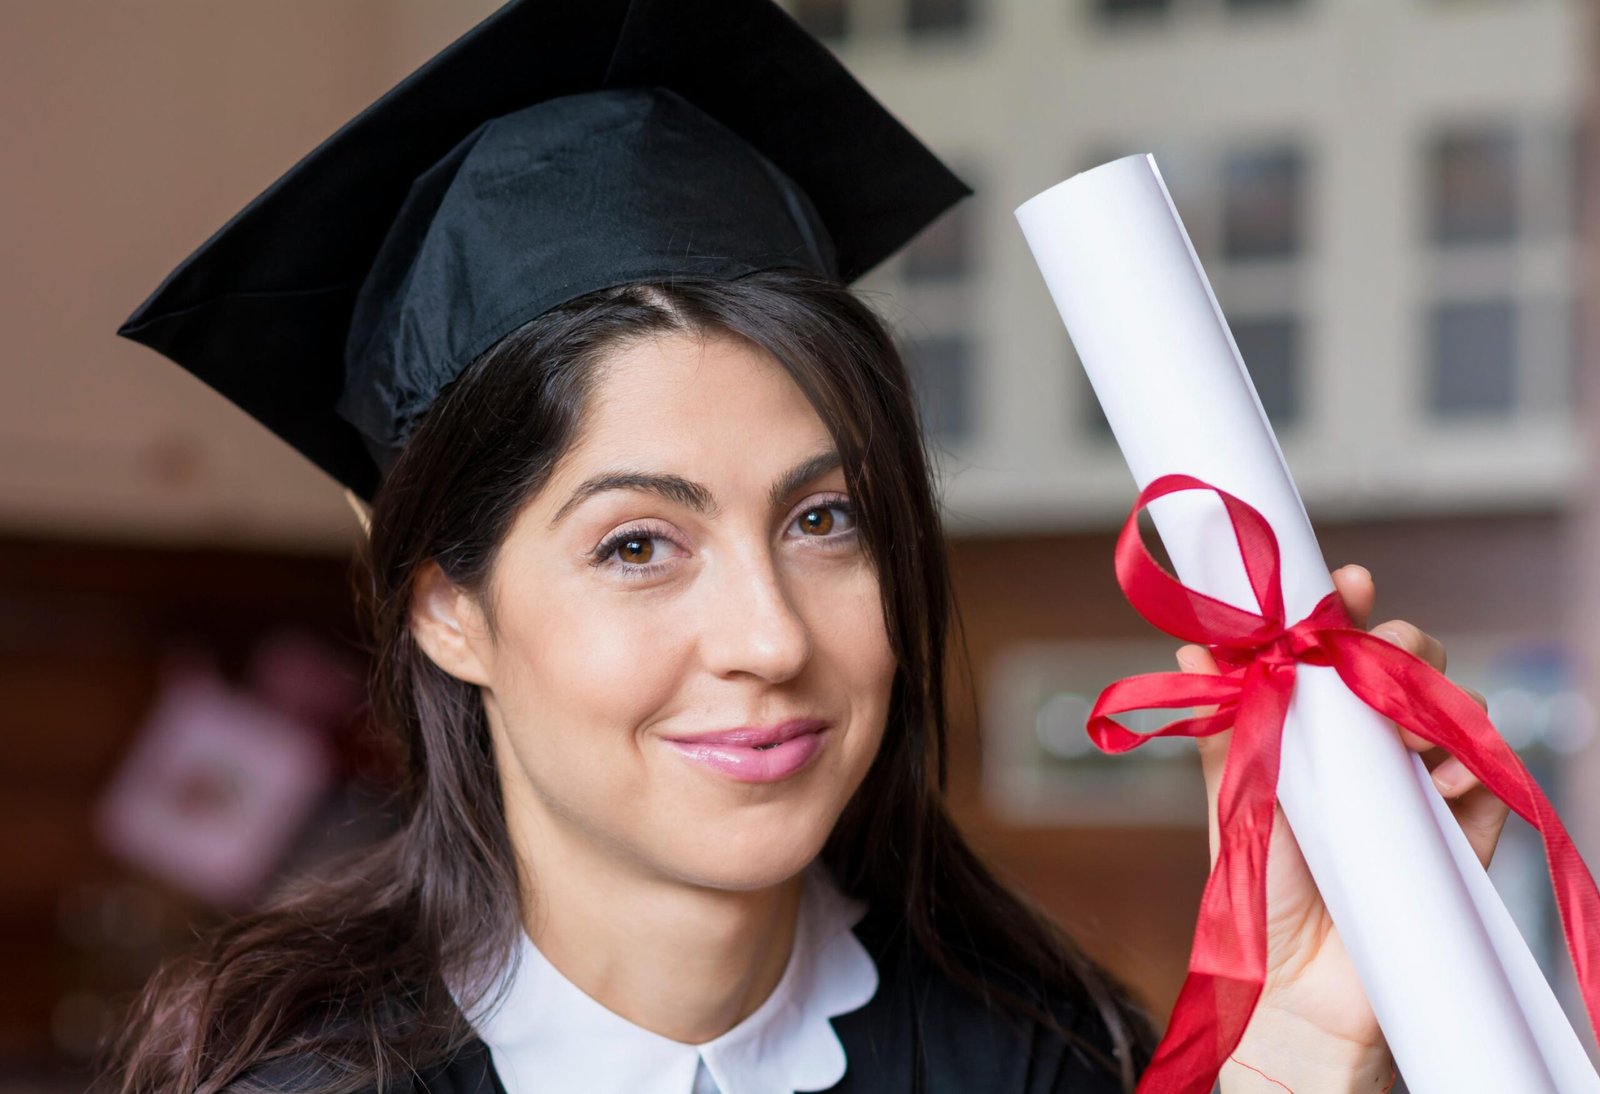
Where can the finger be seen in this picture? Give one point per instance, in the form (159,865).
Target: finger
(1413,640)
(1416,641)
(1452,778)
(1480,813)
(1213,749)
(1357,590)
(1482,817)
(1193,658)
(1432,754)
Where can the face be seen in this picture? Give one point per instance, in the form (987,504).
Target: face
(687,672)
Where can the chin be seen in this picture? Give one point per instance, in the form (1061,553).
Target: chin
(758,855)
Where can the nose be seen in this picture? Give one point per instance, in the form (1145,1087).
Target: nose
(750,624)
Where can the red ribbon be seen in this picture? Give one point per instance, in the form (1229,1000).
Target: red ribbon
(1257,654)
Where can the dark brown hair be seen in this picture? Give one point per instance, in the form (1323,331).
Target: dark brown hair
(350,970)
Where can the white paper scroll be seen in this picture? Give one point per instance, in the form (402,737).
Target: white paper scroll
(1460,998)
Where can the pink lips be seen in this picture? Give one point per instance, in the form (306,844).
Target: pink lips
(756,754)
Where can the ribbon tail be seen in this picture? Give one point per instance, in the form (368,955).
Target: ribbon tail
(1414,694)
(1162,691)
(1228,963)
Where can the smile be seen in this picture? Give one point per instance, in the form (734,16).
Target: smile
(756,763)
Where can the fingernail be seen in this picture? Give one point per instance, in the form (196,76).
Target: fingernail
(1447,783)
(1388,636)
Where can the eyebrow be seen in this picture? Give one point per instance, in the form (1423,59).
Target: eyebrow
(692,495)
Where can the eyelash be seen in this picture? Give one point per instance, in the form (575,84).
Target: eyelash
(602,557)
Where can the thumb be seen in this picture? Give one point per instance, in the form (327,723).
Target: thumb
(1213,749)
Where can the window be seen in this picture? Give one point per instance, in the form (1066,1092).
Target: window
(1117,10)
(934,281)
(1262,199)
(1039,766)
(1271,351)
(1472,356)
(827,19)
(941,372)
(938,16)
(1472,186)
(1502,202)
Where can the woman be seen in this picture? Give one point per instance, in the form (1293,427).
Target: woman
(659,605)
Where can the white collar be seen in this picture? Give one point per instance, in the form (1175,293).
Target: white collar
(547,1035)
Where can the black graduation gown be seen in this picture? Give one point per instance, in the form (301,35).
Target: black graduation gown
(919,1034)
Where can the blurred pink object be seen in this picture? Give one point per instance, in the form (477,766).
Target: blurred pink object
(215,789)
(307,679)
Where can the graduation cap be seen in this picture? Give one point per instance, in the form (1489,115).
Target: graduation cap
(559,147)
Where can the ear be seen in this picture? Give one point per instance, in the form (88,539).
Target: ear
(449,626)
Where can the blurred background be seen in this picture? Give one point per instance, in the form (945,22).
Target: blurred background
(1388,196)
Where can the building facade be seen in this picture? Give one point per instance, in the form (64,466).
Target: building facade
(1383,192)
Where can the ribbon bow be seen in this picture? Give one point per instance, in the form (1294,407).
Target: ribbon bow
(1258,654)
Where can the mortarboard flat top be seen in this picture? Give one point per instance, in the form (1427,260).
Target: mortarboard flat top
(557,148)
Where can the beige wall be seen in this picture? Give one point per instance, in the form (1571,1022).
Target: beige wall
(1041,89)
(130,132)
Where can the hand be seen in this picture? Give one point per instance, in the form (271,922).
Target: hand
(1312,996)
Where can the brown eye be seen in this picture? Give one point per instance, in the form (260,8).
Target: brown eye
(637,551)
(819,520)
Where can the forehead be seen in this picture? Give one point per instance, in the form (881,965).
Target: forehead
(679,394)
(712,410)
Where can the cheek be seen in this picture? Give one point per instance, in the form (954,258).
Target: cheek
(576,677)
(850,627)
(851,646)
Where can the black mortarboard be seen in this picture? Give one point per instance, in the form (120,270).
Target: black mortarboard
(559,147)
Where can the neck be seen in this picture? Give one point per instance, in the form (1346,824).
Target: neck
(684,961)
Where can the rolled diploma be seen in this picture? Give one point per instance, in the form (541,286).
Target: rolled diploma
(1459,996)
